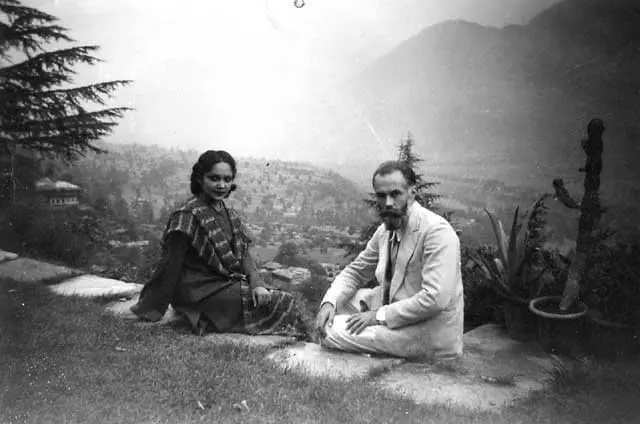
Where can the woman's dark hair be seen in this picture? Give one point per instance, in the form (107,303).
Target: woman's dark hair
(205,162)
(391,166)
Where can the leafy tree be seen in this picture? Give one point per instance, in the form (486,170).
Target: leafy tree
(268,202)
(286,249)
(165,212)
(101,203)
(146,212)
(316,268)
(318,240)
(267,232)
(132,231)
(120,209)
(40,110)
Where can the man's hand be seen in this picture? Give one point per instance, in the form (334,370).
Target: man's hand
(260,296)
(325,316)
(356,323)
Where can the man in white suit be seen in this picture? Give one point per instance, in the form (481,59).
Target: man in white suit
(417,309)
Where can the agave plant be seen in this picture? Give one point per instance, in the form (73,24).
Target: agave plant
(511,267)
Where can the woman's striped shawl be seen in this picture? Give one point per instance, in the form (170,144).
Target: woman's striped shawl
(198,221)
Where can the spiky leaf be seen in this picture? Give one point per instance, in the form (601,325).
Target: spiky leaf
(501,237)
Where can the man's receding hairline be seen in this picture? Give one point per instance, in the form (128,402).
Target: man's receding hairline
(382,174)
(388,167)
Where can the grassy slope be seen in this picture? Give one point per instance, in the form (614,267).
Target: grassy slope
(63,360)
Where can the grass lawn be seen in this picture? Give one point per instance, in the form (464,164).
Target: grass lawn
(63,361)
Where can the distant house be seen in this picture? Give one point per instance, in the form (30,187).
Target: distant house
(289,214)
(292,275)
(272,266)
(292,212)
(282,274)
(139,243)
(299,274)
(57,194)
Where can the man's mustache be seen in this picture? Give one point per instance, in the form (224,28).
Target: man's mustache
(391,213)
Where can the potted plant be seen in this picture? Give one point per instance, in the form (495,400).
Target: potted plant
(613,296)
(516,267)
(560,316)
(558,330)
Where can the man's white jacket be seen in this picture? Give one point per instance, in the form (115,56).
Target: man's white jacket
(426,295)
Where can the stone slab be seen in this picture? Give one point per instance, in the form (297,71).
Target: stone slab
(263,342)
(488,338)
(494,372)
(432,387)
(314,360)
(7,256)
(95,286)
(490,352)
(25,270)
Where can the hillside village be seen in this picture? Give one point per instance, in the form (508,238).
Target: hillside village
(130,191)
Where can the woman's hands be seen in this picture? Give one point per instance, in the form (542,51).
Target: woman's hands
(260,296)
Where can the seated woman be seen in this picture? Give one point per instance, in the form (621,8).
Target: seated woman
(206,271)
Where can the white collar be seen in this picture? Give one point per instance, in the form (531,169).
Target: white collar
(397,236)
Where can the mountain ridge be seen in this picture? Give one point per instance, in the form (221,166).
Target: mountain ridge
(467,91)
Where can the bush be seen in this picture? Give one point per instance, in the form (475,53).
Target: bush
(482,303)
(312,291)
(150,257)
(67,235)
(286,249)
(132,264)
(612,285)
(290,254)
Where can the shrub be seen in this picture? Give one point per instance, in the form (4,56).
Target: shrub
(286,249)
(481,301)
(290,254)
(312,291)
(612,285)
(515,268)
(67,235)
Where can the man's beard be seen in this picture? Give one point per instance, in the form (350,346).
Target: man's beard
(393,218)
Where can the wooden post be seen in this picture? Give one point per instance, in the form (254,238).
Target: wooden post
(590,210)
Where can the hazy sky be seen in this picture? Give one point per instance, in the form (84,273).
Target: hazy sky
(222,73)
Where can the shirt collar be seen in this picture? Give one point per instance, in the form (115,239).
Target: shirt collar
(396,236)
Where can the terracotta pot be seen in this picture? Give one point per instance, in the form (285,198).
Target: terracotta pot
(558,331)
(520,322)
(610,339)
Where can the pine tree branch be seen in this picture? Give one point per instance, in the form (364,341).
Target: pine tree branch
(79,120)
(3,3)
(49,69)
(45,105)
(24,15)
(63,145)
(28,28)
(30,38)
(92,92)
